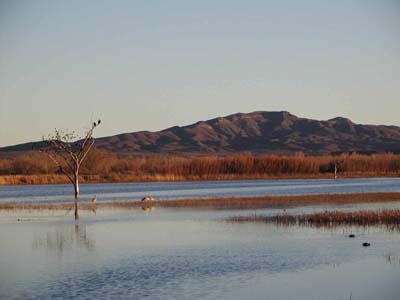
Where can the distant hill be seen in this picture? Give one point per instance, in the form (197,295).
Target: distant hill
(257,132)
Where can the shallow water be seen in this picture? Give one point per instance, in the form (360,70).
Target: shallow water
(197,189)
(191,254)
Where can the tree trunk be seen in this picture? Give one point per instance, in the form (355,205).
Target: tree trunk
(335,171)
(76,186)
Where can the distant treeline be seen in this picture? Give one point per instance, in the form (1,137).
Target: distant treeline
(109,166)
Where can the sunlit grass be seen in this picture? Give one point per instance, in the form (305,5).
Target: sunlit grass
(103,166)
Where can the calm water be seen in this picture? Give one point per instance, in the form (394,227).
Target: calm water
(175,190)
(190,254)
(193,254)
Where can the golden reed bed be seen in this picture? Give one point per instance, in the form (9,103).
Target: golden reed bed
(29,179)
(103,166)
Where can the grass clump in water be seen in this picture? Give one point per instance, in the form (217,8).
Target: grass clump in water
(329,218)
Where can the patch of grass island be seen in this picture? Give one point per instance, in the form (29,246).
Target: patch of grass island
(223,203)
(388,217)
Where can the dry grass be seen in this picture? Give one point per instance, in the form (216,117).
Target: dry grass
(120,178)
(104,166)
(228,203)
(329,218)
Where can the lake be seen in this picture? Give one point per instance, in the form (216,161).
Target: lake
(189,254)
(193,253)
(195,189)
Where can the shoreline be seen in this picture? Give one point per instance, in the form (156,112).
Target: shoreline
(223,203)
(39,179)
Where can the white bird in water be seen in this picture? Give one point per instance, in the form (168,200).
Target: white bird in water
(94,199)
(148,198)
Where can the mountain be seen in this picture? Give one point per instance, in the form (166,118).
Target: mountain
(257,132)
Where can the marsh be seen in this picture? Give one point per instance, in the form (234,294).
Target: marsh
(193,252)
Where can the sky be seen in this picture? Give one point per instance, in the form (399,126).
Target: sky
(150,65)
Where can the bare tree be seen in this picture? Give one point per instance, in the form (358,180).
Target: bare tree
(68,152)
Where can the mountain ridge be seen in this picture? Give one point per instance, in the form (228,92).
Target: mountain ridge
(258,132)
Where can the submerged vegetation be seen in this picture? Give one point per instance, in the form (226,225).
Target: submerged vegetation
(103,166)
(329,218)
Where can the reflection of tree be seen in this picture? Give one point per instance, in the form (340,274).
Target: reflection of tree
(392,259)
(148,208)
(65,237)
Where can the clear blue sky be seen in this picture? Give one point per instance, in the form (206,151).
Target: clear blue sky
(148,65)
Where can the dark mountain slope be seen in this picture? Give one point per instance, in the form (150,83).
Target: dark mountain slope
(257,132)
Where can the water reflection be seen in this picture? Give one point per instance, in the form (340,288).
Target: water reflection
(168,255)
(388,220)
(179,267)
(93,208)
(63,238)
(392,259)
(332,227)
(148,208)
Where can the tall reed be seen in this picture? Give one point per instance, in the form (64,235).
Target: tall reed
(102,166)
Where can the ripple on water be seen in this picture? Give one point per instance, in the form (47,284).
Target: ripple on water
(181,259)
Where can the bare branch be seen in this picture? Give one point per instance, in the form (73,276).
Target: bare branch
(59,165)
(61,145)
(86,152)
(89,136)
